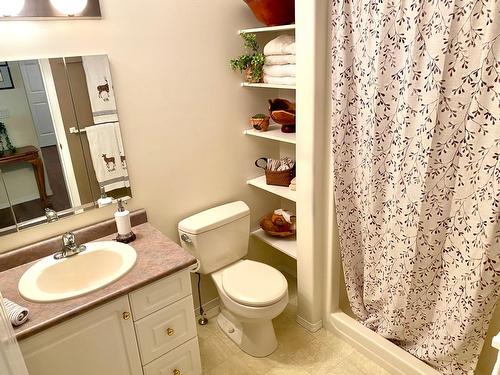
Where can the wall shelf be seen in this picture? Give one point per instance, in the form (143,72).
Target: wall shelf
(287,245)
(267,29)
(268,86)
(282,191)
(274,133)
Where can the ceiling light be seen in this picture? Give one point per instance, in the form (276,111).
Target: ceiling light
(69,7)
(11,7)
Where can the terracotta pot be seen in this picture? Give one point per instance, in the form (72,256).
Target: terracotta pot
(260,123)
(249,78)
(273,12)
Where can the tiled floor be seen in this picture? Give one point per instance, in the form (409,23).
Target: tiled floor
(299,351)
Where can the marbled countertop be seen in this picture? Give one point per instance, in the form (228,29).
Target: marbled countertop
(157,257)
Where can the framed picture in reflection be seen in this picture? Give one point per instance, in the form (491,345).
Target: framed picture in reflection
(5,77)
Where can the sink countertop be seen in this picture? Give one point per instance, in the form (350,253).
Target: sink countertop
(157,257)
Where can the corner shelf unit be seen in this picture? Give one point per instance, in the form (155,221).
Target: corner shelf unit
(274,133)
(282,191)
(287,245)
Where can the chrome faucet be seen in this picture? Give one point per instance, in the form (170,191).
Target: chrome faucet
(70,247)
(51,215)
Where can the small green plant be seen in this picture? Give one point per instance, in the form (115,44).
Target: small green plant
(259,115)
(252,60)
(4,136)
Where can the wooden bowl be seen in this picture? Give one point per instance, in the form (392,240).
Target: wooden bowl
(273,12)
(283,117)
(282,111)
(266,225)
(280,234)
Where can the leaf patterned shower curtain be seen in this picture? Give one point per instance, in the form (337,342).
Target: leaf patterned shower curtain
(416,142)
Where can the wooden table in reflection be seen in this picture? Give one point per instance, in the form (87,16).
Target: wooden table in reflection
(28,154)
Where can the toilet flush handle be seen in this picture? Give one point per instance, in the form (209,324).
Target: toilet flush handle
(186,238)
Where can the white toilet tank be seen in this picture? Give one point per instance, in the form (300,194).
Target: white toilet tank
(218,236)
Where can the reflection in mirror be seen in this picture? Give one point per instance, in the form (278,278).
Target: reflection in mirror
(7,221)
(66,153)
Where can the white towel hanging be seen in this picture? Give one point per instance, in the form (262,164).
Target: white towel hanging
(108,157)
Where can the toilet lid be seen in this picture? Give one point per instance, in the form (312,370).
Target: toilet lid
(254,284)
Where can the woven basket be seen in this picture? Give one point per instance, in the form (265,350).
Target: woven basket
(278,178)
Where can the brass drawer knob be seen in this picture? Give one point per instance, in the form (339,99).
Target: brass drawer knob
(170,332)
(177,372)
(126,315)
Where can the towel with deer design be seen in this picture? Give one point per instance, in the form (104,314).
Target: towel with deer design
(100,87)
(108,158)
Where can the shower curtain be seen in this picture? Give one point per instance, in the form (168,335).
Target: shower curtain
(416,143)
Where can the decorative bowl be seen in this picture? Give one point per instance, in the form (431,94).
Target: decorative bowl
(273,12)
(270,228)
(282,112)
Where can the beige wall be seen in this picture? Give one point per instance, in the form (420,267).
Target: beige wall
(19,179)
(181,108)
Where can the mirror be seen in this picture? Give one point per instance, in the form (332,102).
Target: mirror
(61,150)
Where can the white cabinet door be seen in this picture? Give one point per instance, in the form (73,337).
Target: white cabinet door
(99,342)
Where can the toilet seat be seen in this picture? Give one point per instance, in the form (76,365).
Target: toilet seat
(254,284)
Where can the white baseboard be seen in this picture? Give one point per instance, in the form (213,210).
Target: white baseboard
(211,308)
(311,327)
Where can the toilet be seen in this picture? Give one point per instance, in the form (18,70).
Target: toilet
(251,293)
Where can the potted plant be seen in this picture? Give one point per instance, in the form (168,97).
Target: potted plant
(252,61)
(260,122)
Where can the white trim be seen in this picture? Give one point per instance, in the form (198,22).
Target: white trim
(66,164)
(311,327)
(377,348)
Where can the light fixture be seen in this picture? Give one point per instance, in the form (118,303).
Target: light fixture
(69,7)
(10,8)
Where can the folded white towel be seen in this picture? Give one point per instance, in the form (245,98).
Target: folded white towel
(282,45)
(289,70)
(289,81)
(17,314)
(279,59)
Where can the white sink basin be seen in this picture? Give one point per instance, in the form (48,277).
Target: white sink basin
(99,265)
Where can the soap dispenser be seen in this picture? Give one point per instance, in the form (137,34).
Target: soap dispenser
(122,218)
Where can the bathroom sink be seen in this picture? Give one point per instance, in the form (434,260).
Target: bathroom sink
(99,265)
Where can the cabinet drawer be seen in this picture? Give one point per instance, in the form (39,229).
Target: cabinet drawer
(185,359)
(159,294)
(163,330)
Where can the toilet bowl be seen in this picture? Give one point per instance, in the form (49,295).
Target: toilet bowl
(251,293)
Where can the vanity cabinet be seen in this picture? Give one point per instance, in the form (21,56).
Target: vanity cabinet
(150,331)
(100,341)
